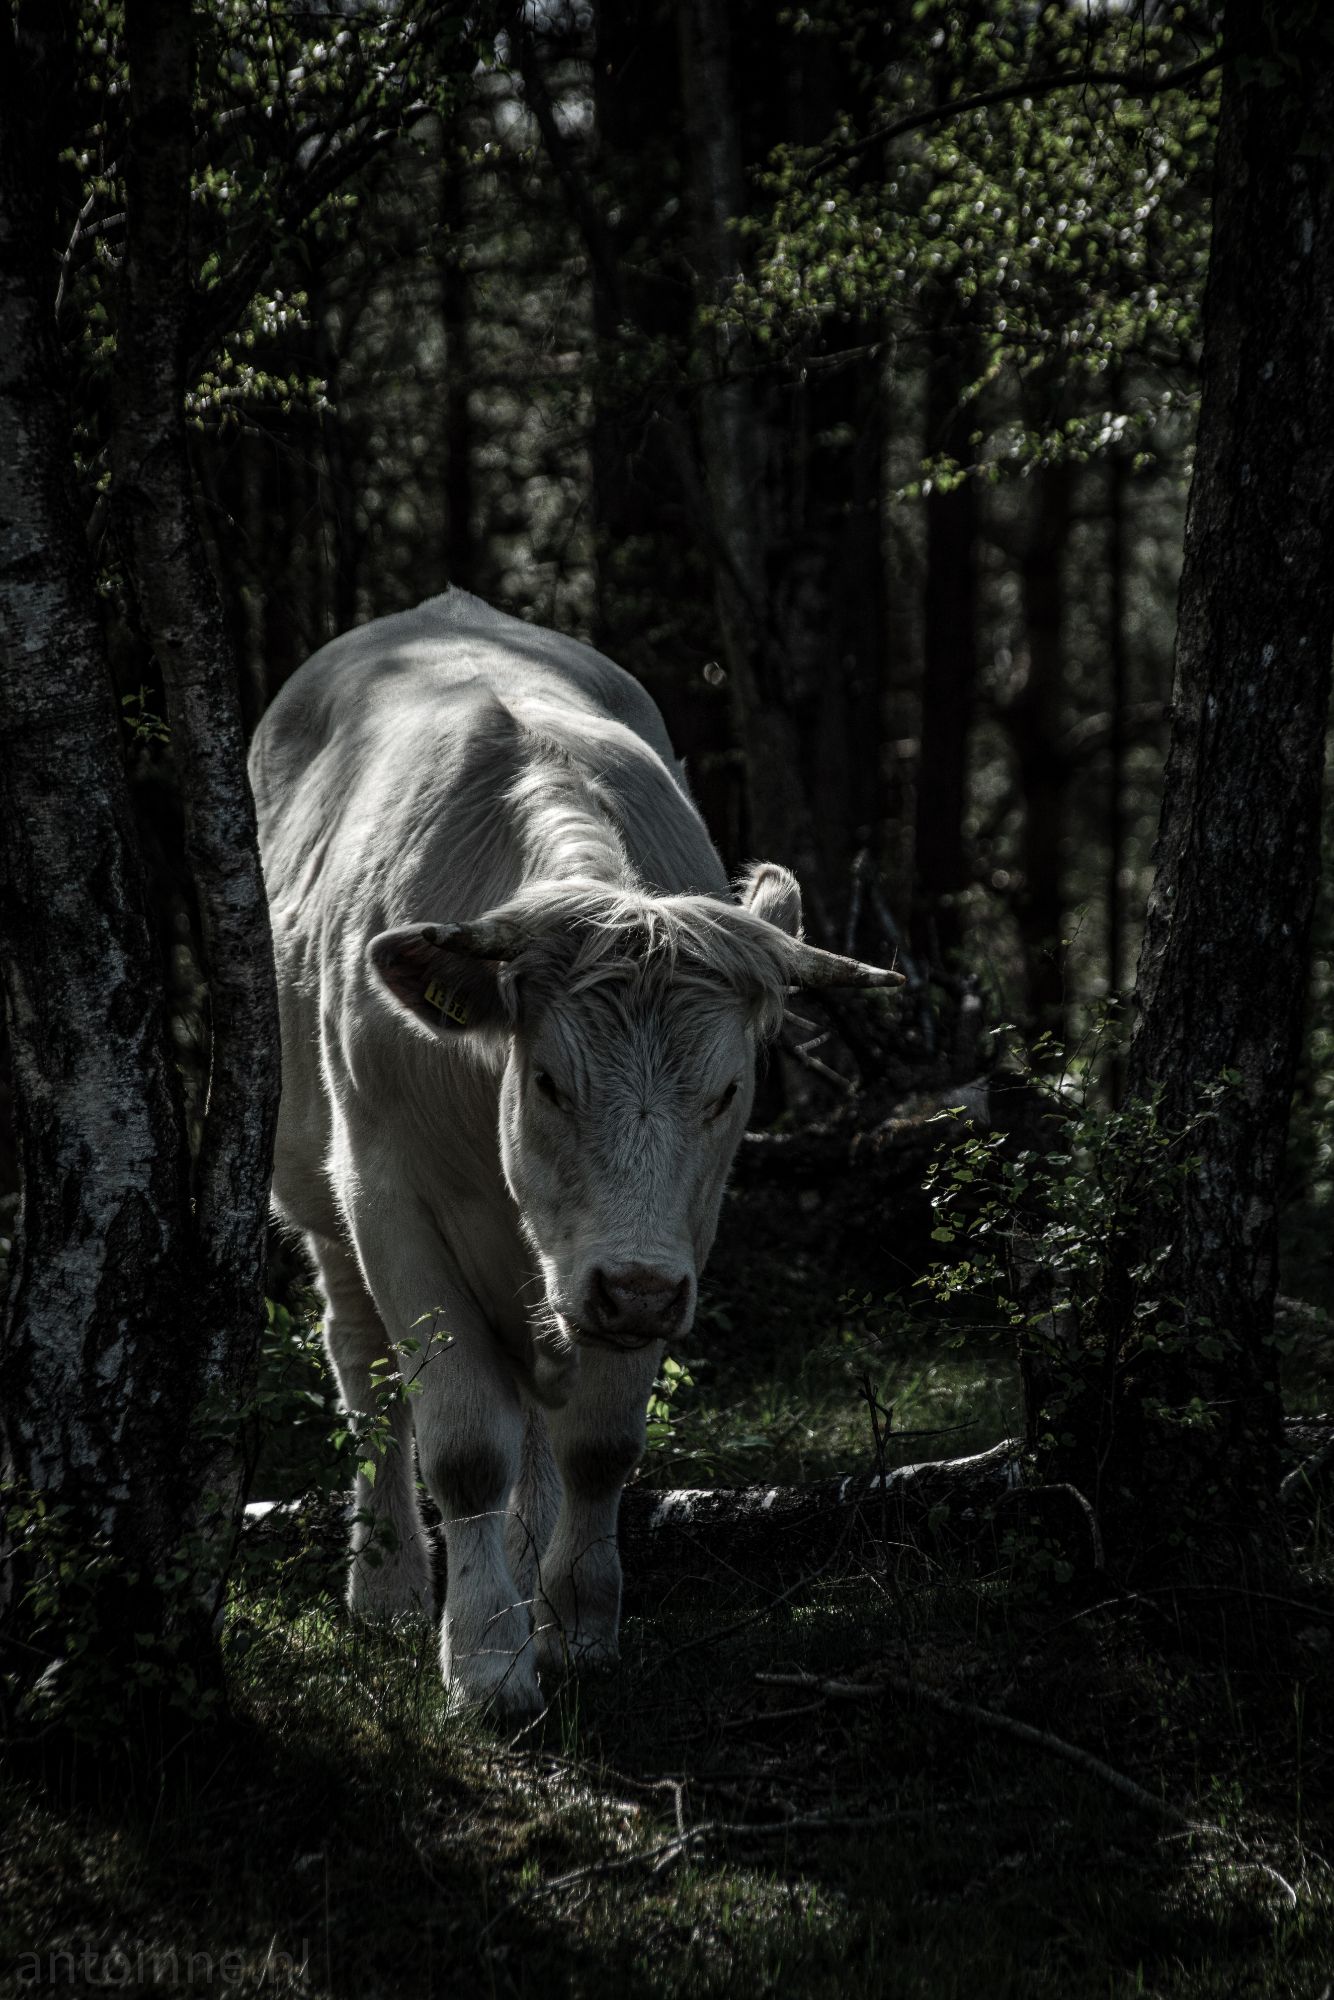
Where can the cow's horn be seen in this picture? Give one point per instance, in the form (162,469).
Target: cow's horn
(813,967)
(489,937)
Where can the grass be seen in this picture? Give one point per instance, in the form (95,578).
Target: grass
(682,1826)
(799,1415)
(777,1362)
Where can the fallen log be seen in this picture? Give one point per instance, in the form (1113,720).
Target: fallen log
(957,1511)
(772,1535)
(768,1534)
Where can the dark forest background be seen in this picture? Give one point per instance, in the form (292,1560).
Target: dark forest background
(845,372)
(858,426)
(868,454)
(877,483)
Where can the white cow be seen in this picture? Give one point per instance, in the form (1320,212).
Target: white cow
(520,1010)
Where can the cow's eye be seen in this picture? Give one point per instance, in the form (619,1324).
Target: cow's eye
(547,1087)
(720,1104)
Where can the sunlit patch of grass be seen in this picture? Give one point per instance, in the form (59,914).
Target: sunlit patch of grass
(794,1407)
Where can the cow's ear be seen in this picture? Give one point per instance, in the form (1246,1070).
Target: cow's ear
(773,893)
(440,974)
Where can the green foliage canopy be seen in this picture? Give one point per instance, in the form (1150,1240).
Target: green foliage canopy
(292,107)
(1035,182)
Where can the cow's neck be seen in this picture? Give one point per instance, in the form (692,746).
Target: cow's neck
(568,831)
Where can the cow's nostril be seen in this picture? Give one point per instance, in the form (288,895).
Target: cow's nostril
(605,1302)
(637,1299)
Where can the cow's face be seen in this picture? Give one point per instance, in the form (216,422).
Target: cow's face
(623,1028)
(621,1108)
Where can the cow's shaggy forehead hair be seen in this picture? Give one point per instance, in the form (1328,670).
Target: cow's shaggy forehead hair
(585,934)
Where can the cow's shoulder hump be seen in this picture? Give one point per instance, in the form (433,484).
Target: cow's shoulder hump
(430,664)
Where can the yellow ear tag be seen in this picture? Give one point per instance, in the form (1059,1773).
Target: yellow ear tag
(445,1004)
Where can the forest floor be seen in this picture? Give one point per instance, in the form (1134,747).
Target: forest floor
(767,1796)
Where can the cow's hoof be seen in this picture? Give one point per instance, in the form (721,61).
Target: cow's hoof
(504,1691)
(584,1650)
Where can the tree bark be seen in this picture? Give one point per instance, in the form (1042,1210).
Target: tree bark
(1179,1440)
(165,559)
(731,453)
(1118,474)
(950,651)
(1035,718)
(93,1395)
(136,1299)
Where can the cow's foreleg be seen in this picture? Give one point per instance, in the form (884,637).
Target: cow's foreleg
(390,1571)
(470,1437)
(469,1427)
(598,1439)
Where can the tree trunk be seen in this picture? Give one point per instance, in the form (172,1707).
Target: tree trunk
(731,452)
(773,509)
(177,596)
(96,1374)
(655,611)
(136,1299)
(1118,475)
(325,461)
(1178,1440)
(828,611)
(950,650)
(1035,721)
(456,310)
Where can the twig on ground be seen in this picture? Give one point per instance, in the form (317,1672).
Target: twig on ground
(1307,1472)
(664,1852)
(1006,1725)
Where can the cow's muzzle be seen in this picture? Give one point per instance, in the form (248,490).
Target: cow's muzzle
(634,1305)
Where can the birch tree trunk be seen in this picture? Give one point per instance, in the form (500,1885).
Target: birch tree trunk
(92,1398)
(165,557)
(1178,1440)
(135,1307)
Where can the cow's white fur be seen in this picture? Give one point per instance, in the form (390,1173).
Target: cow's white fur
(452,796)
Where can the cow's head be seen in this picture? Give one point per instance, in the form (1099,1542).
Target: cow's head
(627,1027)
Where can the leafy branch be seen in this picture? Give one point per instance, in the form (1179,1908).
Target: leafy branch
(1132,82)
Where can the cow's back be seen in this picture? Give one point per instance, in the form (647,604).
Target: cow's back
(447,649)
(383,762)
(385,777)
